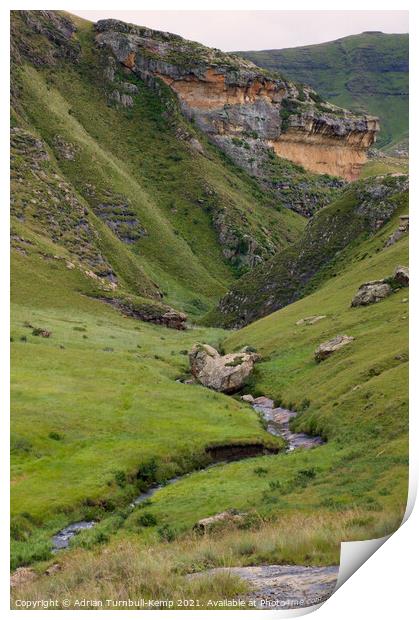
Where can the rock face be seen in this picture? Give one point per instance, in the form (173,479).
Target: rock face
(148,310)
(401,276)
(223,373)
(371,292)
(364,208)
(247,111)
(326,349)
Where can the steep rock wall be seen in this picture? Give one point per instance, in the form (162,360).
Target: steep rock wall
(243,109)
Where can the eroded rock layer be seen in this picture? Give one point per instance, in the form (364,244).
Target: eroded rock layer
(245,110)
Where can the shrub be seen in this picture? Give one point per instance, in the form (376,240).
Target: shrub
(147,519)
(120,478)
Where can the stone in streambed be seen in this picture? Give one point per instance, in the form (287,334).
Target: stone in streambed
(247,398)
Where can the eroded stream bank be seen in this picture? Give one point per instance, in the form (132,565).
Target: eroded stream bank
(277,422)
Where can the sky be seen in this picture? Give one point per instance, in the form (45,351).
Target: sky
(255,30)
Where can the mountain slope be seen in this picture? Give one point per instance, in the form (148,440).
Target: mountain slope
(366,72)
(363,208)
(352,488)
(166,213)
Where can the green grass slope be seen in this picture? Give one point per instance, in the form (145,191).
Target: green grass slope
(357,400)
(366,72)
(96,402)
(300,506)
(190,216)
(323,250)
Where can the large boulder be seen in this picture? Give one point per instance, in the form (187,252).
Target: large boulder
(223,373)
(371,292)
(401,275)
(327,348)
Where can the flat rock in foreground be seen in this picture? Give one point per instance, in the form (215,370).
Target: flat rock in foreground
(283,587)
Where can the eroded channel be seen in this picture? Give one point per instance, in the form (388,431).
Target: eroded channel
(277,422)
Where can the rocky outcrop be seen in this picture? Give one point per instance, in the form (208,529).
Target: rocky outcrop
(43,37)
(401,276)
(361,211)
(247,111)
(326,349)
(371,292)
(222,518)
(400,231)
(147,310)
(223,373)
(376,290)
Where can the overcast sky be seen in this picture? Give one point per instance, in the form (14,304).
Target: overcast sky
(253,30)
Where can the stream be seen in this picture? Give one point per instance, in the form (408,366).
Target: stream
(277,422)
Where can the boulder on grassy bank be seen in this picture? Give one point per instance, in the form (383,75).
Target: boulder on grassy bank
(376,290)
(371,292)
(401,275)
(223,373)
(326,349)
(228,516)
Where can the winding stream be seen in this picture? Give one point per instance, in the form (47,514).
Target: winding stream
(277,423)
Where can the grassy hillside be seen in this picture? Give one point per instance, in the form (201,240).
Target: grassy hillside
(132,205)
(173,214)
(300,506)
(323,250)
(98,400)
(366,72)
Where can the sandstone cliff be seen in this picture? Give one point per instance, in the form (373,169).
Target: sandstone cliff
(246,111)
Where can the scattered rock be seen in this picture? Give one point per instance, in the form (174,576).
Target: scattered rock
(174,319)
(223,373)
(248,398)
(310,320)
(401,275)
(327,348)
(371,292)
(264,401)
(400,231)
(65,150)
(228,516)
(54,568)
(40,331)
(22,575)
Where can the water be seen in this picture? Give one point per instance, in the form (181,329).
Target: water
(61,540)
(277,419)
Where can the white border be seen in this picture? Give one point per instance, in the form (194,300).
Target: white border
(385,586)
